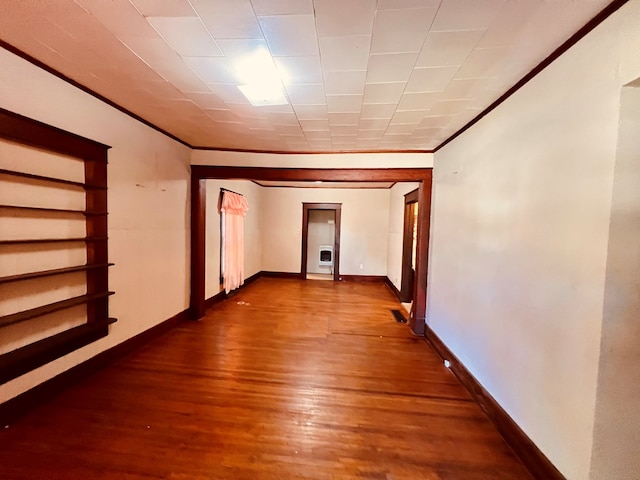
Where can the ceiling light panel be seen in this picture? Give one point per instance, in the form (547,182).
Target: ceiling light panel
(186,35)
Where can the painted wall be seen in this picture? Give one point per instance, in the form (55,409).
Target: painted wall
(519,253)
(148,206)
(252,236)
(343,160)
(617,421)
(363,231)
(396,230)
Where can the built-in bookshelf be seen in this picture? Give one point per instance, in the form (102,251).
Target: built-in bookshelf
(18,248)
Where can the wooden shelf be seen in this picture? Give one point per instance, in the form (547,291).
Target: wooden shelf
(50,308)
(52,210)
(51,240)
(48,273)
(43,178)
(24,359)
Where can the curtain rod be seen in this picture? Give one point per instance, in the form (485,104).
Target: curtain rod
(230,191)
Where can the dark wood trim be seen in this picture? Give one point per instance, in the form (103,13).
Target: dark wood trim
(393,288)
(337,208)
(22,360)
(28,241)
(363,278)
(13,409)
(198,220)
(311,174)
(93,93)
(27,131)
(46,210)
(407,276)
(530,455)
(418,314)
(198,246)
(304,152)
(575,38)
(52,272)
(281,275)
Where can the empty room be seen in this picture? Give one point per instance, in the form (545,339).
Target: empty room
(287,239)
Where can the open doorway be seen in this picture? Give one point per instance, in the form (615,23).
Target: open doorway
(321,241)
(409,247)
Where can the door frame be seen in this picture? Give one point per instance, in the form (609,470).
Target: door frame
(406,283)
(337,208)
(201,173)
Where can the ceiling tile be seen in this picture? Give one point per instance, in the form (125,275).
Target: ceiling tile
(228,18)
(344,83)
(391,67)
(418,101)
(409,116)
(228,92)
(378,110)
(222,115)
(509,25)
(212,69)
(383,92)
(186,35)
(344,103)
(401,31)
(306,94)
(466,14)
(443,49)
(482,62)
(345,53)
(344,130)
(282,7)
(290,35)
(299,69)
(374,123)
(162,8)
(437,121)
(311,112)
(430,79)
(371,134)
(448,107)
(315,125)
(401,128)
(343,118)
(405,4)
(206,100)
(238,48)
(461,88)
(337,18)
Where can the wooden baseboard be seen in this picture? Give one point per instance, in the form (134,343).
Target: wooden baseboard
(530,455)
(220,296)
(281,274)
(13,409)
(393,288)
(362,278)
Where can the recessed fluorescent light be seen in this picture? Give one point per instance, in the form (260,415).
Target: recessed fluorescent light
(261,81)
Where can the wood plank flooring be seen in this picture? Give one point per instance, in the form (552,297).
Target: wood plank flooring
(287,379)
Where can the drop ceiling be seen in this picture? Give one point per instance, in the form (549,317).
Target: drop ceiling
(361,75)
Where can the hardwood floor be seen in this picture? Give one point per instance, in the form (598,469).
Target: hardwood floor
(288,379)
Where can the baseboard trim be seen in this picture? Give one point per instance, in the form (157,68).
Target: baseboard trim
(13,409)
(281,275)
(530,455)
(362,278)
(393,288)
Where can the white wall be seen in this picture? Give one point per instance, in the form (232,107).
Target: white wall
(342,160)
(396,230)
(363,231)
(252,235)
(520,231)
(148,177)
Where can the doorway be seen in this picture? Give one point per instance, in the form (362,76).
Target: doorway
(409,246)
(321,241)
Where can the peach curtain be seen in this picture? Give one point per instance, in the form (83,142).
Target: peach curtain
(234,207)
